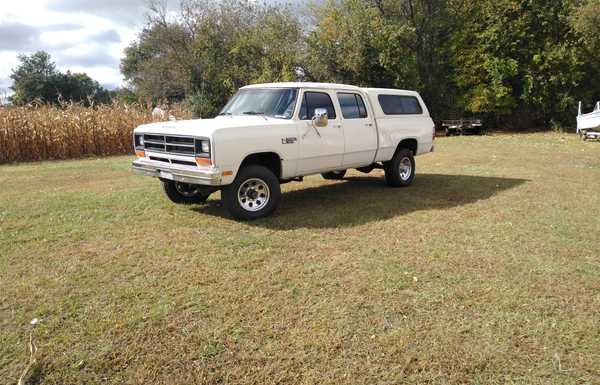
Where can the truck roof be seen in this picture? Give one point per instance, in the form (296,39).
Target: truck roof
(389,90)
(329,86)
(335,86)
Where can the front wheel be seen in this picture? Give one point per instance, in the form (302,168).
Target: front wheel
(184,193)
(255,193)
(400,171)
(334,175)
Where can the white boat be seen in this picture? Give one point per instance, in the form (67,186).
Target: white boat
(588,125)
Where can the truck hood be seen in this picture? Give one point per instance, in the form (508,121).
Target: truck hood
(207,127)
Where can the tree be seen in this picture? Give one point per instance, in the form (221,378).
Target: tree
(36,79)
(210,49)
(385,43)
(154,67)
(33,79)
(585,21)
(421,32)
(518,61)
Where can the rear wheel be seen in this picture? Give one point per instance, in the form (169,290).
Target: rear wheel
(255,193)
(334,175)
(400,171)
(184,193)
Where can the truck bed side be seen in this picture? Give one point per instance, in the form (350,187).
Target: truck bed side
(392,129)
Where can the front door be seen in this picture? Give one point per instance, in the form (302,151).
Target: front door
(321,148)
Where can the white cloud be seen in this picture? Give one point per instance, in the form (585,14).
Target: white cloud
(126,12)
(17,35)
(81,35)
(108,36)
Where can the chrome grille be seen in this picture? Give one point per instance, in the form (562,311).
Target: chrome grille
(180,145)
(173,161)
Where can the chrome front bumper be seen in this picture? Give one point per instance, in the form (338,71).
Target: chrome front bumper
(185,174)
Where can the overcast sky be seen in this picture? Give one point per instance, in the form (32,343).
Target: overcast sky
(81,35)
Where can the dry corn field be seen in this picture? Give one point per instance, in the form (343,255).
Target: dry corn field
(70,131)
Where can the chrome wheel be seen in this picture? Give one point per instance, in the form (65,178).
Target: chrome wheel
(405,168)
(253,194)
(187,190)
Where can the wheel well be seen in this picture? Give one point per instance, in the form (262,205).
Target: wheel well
(270,160)
(411,144)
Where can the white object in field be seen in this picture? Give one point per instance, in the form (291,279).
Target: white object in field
(158,113)
(588,125)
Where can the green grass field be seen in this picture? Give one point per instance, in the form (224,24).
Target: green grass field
(485,271)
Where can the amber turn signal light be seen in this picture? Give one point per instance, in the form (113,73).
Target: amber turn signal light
(140,153)
(203,161)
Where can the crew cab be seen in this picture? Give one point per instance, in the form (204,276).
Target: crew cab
(269,134)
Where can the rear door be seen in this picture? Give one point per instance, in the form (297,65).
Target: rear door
(321,148)
(360,133)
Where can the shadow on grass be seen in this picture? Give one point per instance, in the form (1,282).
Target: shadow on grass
(359,200)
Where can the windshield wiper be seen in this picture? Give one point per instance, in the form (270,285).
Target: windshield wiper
(252,113)
(225,113)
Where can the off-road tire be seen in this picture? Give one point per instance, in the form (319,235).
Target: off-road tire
(396,171)
(334,175)
(184,193)
(245,198)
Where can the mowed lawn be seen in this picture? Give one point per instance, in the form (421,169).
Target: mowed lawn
(485,271)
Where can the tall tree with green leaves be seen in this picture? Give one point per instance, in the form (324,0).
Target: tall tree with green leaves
(585,20)
(34,79)
(37,79)
(385,43)
(210,49)
(518,60)
(346,43)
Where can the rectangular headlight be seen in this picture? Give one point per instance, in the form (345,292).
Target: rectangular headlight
(203,147)
(139,140)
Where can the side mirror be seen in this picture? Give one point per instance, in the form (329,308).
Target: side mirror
(320,119)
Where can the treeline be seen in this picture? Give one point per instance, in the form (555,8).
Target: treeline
(36,80)
(516,63)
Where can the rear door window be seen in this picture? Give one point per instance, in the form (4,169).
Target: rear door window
(313,100)
(400,105)
(353,106)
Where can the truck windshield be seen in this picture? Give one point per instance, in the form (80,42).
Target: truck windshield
(273,102)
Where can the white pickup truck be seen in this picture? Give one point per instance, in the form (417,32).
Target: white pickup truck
(269,134)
